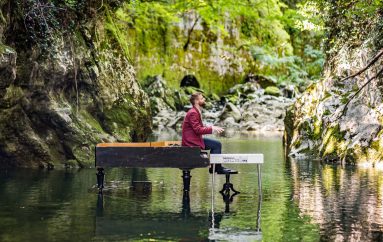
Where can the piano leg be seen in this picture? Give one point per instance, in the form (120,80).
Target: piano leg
(186,179)
(100,179)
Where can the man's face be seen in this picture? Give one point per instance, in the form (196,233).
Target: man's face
(201,101)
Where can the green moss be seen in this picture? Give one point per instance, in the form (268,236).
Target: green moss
(232,98)
(326,95)
(116,33)
(214,97)
(128,120)
(330,147)
(334,145)
(317,130)
(297,143)
(375,145)
(89,119)
(336,133)
(344,99)
(326,112)
(273,91)
(6,49)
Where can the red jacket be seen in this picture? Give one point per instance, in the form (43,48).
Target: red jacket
(193,129)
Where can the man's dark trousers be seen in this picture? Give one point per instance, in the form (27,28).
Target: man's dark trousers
(213,145)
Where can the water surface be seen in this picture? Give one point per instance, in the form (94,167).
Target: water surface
(303,200)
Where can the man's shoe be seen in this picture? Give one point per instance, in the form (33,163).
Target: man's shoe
(223,170)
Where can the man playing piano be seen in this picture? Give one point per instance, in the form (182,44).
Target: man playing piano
(193,129)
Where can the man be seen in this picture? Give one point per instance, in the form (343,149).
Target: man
(193,129)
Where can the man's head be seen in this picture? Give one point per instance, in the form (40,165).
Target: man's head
(197,99)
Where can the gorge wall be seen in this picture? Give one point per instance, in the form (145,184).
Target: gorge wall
(65,84)
(340,118)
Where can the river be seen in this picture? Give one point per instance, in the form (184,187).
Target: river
(302,200)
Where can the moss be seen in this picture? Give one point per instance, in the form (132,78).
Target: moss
(126,121)
(117,34)
(89,119)
(326,95)
(191,90)
(297,143)
(232,98)
(214,97)
(334,145)
(4,49)
(326,112)
(336,133)
(317,132)
(273,91)
(330,147)
(344,99)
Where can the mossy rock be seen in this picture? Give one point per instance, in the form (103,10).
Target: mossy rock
(180,99)
(231,98)
(214,97)
(273,91)
(127,122)
(4,49)
(191,90)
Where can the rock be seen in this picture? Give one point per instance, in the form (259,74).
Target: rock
(190,90)
(231,111)
(319,124)
(178,119)
(65,100)
(248,116)
(273,91)
(180,99)
(160,94)
(229,122)
(290,91)
(214,97)
(263,81)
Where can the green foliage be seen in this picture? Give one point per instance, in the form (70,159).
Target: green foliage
(160,44)
(350,21)
(289,69)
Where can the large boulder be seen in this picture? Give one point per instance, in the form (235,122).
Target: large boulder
(263,81)
(164,97)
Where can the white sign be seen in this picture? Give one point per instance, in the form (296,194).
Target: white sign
(236,158)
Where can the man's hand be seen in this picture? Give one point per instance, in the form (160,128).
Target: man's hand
(217,129)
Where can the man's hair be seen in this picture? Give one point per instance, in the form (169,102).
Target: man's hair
(194,96)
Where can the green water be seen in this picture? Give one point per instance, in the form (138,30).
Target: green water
(302,201)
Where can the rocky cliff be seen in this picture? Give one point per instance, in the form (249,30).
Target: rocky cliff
(340,118)
(65,84)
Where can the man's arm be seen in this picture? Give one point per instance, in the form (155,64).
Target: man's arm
(197,127)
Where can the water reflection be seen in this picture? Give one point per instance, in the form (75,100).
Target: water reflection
(346,202)
(112,224)
(233,234)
